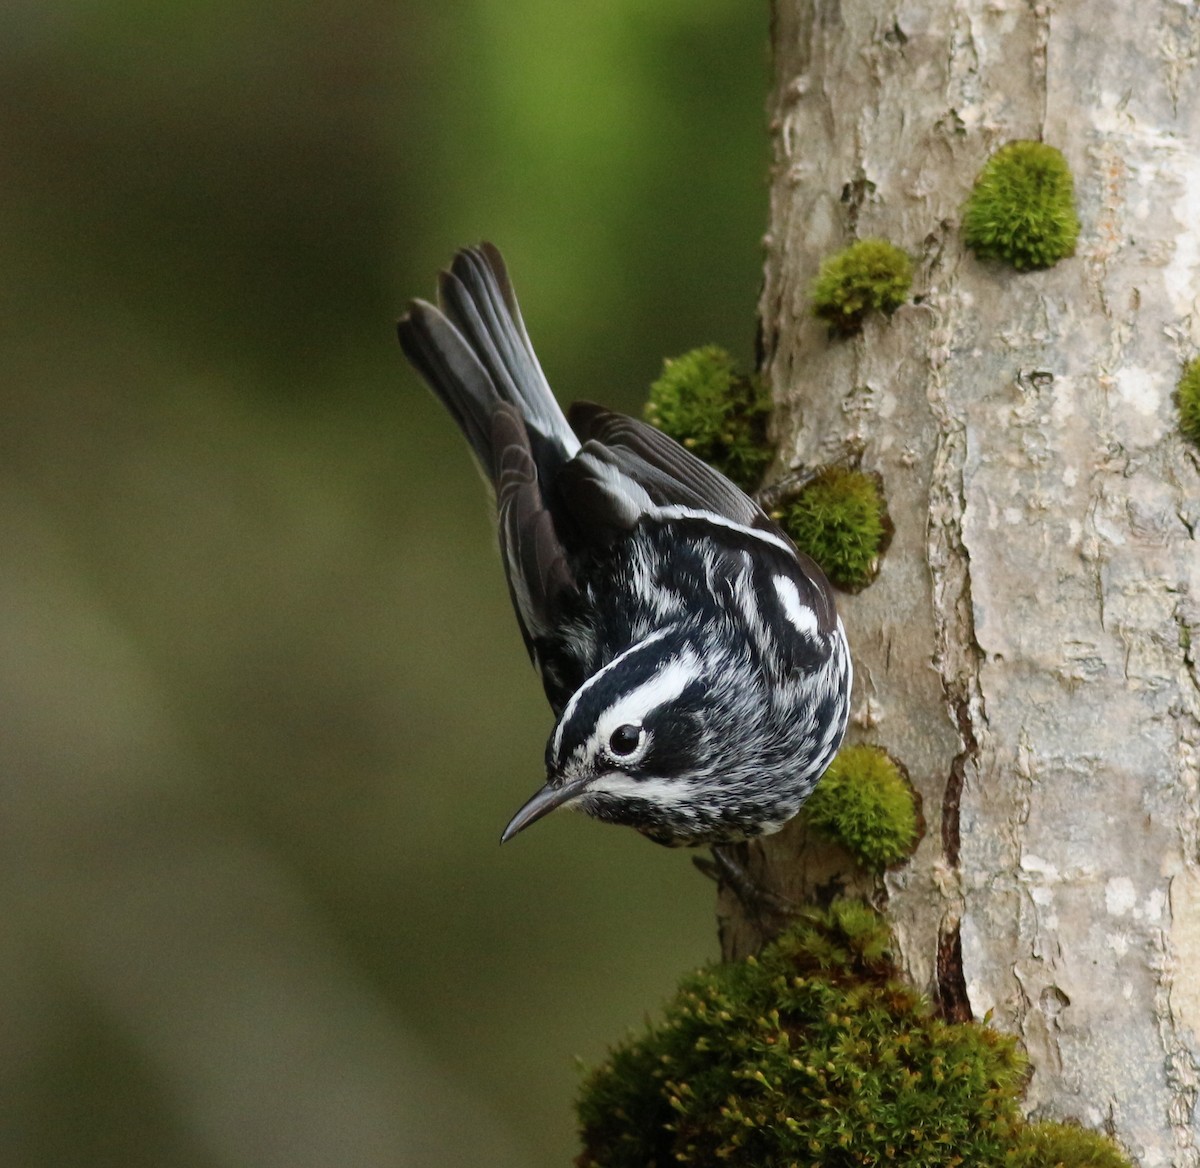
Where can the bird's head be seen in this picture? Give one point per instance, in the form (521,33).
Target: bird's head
(631,742)
(686,738)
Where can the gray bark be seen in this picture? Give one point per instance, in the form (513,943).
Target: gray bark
(1029,649)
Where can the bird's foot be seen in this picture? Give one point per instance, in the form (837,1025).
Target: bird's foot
(794,481)
(769,911)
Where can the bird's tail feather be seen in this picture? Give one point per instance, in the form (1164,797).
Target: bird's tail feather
(474,352)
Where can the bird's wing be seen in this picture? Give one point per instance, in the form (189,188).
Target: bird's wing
(628,462)
(627,471)
(539,576)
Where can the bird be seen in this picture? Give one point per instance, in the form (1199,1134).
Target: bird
(693,657)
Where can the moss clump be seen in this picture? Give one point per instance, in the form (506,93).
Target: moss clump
(1187,396)
(840,520)
(866,803)
(1063,1145)
(1022,208)
(718,414)
(869,276)
(815,1053)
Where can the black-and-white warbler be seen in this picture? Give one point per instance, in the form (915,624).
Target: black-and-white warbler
(693,658)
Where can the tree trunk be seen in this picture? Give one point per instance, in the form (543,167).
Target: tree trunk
(1028,650)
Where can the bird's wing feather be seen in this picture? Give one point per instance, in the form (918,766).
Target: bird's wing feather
(667,473)
(539,576)
(627,470)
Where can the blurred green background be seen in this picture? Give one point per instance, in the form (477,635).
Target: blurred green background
(263,707)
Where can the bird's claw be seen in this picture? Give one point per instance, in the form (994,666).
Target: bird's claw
(766,908)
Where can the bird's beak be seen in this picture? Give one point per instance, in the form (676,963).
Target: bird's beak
(552,795)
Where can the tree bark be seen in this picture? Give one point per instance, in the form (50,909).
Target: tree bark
(1029,649)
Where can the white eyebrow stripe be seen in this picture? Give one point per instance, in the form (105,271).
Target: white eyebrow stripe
(569,708)
(799,614)
(668,682)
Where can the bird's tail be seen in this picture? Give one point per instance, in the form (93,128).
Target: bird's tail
(474,352)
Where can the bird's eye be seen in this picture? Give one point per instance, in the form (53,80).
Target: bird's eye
(625,739)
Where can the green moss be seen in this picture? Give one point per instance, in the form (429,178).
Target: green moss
(817,1053)
(814,1053)
(1063,1145)
(840,520)
(1022,208)
(1188,398)
(866,804)
(869,276)
(719,414)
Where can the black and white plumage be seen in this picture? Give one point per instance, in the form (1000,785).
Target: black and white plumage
(693,657)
